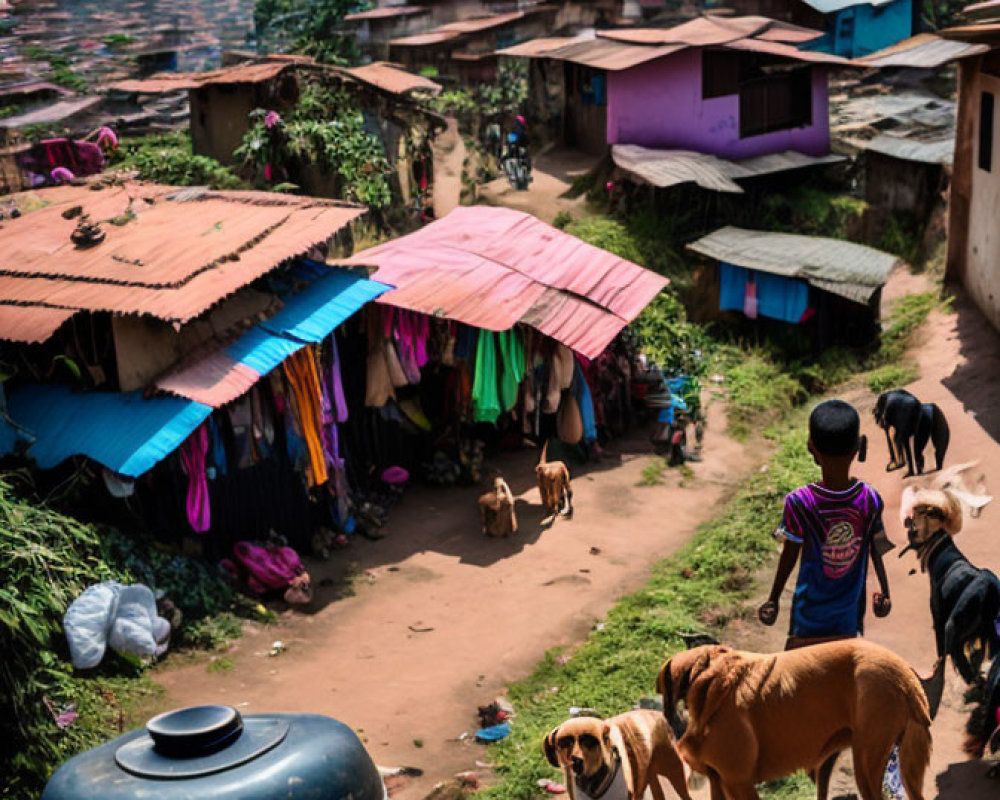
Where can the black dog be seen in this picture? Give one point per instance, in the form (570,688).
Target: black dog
(965,600)
(913,423)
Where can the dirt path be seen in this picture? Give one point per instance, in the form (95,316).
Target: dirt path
(959,358)
(552,175)
(451,617)
(449,157)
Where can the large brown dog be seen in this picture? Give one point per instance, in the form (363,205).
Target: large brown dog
(616,758)
(756,717)
(496,510)
(554,485)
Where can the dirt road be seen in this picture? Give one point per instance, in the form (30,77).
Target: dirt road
(552,175)
(451,617)
(959,358)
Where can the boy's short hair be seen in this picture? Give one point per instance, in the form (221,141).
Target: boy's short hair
(834,427)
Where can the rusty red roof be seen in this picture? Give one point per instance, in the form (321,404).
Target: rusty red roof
(388,12)
(494,267)
(256,71)
(184,250)
(392,78)
(30,324)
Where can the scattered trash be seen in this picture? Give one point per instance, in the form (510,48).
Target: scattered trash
(414,627)
(494,733)
(63,717)
(717,378)
(583,711)
(595,551)
(277,648)
(551,786)
(600,626)
(492,715)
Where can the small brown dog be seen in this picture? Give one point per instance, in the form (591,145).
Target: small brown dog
(754,717)
(616,758)
(496,509)
(554,485)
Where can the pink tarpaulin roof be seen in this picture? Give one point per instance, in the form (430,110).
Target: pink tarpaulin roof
(494,267)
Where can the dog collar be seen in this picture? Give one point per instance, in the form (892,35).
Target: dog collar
(604,778)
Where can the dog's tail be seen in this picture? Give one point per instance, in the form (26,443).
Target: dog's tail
(940,435)
(545,449)
(915,743)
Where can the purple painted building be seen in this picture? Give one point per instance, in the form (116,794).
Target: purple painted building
(729,87)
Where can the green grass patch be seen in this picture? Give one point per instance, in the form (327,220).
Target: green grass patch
(891,376)
(652,473)
(220,664)
(699,588)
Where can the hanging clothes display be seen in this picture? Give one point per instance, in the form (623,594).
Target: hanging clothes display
(485,397)
(198,505)
(378,384)
(767,295)
(585,401)
(512,356)
(300,372)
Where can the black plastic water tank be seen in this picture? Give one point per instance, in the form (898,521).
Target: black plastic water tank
(214,752)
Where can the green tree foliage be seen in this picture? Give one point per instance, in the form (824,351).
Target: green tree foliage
(310,27)
(168,159)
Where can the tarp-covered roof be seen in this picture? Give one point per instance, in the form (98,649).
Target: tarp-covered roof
(673,167)
(623,48)
(847,269)
(181,251)
(924,51)
(129,433)
(494,267)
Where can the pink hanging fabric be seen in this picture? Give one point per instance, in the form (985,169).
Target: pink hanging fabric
(193,452)
(750,300)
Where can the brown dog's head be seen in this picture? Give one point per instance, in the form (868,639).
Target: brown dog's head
(927,511)
(581,745)
(677,675)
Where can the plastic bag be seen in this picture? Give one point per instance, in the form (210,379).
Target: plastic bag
(132,629)
(87,623)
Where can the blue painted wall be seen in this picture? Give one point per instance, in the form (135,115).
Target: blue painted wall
(862,29)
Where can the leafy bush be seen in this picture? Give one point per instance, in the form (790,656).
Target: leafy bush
(608,234)
(891,376)
(46,560)
(168,159)
(664,333)
(337,145)
(311,27)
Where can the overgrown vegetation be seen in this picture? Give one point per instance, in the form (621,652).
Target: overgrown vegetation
(325,132)
(698,589)
(310,27)
(168,158)
(46,561)
(61,70)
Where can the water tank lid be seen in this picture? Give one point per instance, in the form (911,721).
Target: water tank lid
(196,741)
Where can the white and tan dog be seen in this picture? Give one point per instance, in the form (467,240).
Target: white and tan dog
(496,510)
(616,758)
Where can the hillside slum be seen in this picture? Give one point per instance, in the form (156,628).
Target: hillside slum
(257,288)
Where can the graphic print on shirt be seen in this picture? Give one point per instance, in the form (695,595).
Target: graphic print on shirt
(841,547)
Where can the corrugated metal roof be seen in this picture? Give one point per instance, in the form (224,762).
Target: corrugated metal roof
(30,324)
(50,114)
(540,48)
(252,72)
(624,48)
(394,79)
(32,87)
(181,254)
(830,264)
(986,11)
(941,151)
(673,167)
(424,39)
(926,51)
(385,13)
(483,23)
(830,6)
(307,317)
(494,267)
(124,431)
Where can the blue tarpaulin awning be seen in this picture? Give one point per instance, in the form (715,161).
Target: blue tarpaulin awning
(129,434)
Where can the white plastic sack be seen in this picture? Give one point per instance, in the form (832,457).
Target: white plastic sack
(87,622)
(132,628)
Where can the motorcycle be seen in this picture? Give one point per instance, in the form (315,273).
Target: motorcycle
(516,164)
(676,403)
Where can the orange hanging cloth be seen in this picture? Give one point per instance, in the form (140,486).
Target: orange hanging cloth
(302,377)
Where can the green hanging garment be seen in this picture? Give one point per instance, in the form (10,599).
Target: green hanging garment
(485,398)
(512,353)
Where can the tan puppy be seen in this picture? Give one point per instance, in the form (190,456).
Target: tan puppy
(554,485)
(616,758)
(756,717)
(496,510)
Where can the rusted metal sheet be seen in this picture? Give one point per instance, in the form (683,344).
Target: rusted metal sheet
(665,168)
(391,78)
(790,52)
(483,23)
(495,267)
(30,324)
(542,47)
(385,13)
(180,254)
(424,39)
(255,72)
(846,268)
(612,56)
(48,115)
(925,51)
